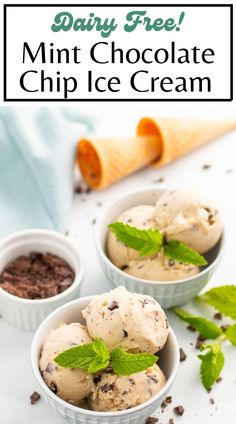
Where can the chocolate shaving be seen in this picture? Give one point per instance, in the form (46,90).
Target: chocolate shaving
(166,402)
(151,420)
(37,276)
(218,315)
(182,355)
(34,398)
(178,410)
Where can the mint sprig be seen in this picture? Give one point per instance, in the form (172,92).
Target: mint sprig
(212,363)
(150,241)
(91,357)
(180,252)
(205,327)
(223,299)
(146,242)
(124,363)
(95,356)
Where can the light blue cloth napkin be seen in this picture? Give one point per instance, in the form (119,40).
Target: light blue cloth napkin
(37,148)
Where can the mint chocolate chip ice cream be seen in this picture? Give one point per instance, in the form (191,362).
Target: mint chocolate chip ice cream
(115,393)
(72,385)
(132,321)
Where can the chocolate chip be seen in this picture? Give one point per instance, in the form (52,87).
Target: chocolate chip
(125,333)
(114,305)
(107,388)
(191,328)
(123,267)
(144,302)
(218,315)
(131,380)
(50,368)
(151,378)
(53,388)
(178,410)
(171,262)
(34,398)
(97,379)
(151,420)
(182,355)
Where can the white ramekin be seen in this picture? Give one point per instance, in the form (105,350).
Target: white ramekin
(168,294)
(71,312)
(27,314)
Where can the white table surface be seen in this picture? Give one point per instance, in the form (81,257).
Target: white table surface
(16,380)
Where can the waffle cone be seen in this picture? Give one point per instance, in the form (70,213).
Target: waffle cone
(176,137)
(104,161)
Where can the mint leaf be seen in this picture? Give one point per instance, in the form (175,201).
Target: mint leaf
(76,357)
(92,357)
(212,363)
(124,363)
(178,251)
(223,299)
(231,334)
(205,327)
(146,242)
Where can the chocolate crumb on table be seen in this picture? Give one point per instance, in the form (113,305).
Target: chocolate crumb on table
(159,180)
(182,355)
(151,420)
(191,328)
(212,401)
(166,401)
(206,166)
(37,276)
(171,421)
(218,315)
(178,410)
(200,341)
(219,379)
(34,398)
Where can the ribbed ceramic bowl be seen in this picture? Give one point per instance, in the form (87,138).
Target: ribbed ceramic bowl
(71,312)
(168,294)
(27,314)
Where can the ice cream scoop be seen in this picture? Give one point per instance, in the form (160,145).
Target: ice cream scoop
(160,268)
(115,393)
(132,321)
(190,218)
(143,217)
(72,385)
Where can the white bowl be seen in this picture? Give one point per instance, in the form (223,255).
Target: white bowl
(168,294)
(27,314)
(71,312)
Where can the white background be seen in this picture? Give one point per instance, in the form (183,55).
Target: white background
(17,383)
(204,27)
